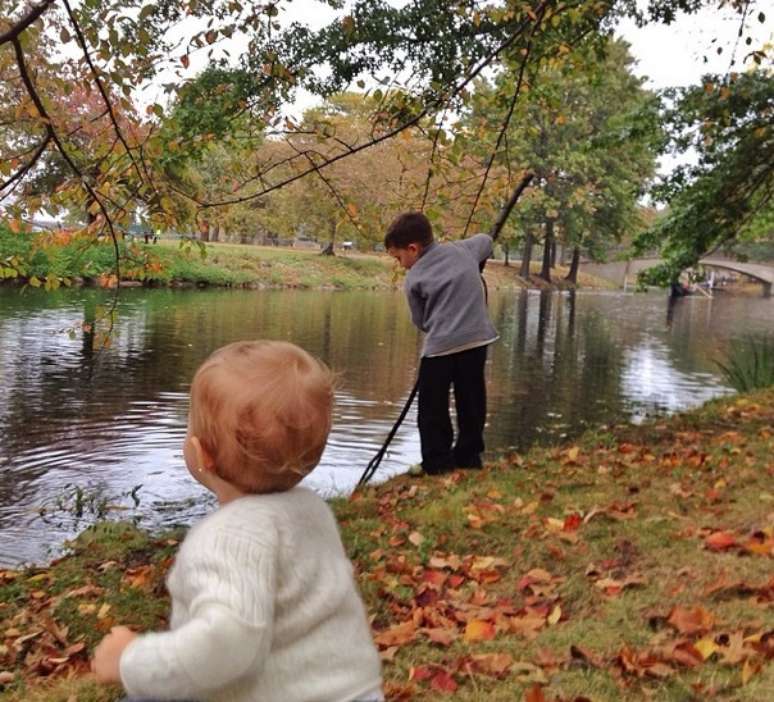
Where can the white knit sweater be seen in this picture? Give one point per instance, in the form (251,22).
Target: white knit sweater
(264,608)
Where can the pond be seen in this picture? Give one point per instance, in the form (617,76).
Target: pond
(80,430)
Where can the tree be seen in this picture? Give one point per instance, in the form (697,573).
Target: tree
(587,129)
(726,196)
(435,51)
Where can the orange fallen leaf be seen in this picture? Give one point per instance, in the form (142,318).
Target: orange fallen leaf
(478,630)
(534,694)
(720,541)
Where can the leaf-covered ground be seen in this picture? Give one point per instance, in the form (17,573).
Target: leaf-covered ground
(635,564)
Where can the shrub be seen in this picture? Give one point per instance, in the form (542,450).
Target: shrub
(749,364)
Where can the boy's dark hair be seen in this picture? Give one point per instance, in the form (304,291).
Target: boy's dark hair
(408,228)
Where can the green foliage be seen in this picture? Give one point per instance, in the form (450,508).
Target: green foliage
(750,363)
(726,196)
(589,132)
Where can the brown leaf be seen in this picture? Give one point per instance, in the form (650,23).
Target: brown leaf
(685,653)
(691,620)
(396,635)
(496,664)
(733,650)
(444,637)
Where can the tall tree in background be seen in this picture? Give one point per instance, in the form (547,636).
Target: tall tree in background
(588,130)
(726,196)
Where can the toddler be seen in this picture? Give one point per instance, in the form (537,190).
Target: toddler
(264,605)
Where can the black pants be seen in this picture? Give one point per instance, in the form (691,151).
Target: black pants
(464,371)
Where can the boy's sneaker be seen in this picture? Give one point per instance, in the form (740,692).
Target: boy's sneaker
(437,470)
(470,463)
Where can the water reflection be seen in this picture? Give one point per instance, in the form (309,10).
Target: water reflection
(115,419)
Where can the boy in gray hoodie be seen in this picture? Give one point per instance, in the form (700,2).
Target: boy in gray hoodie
(447,302)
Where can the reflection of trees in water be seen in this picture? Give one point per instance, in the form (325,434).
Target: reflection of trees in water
(567,377)
(53,386)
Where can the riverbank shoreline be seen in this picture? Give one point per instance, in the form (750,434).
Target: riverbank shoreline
(52,260)
(634,562)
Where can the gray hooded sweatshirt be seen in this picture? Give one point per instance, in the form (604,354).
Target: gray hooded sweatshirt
(446,296)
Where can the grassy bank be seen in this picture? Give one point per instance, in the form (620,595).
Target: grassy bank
(634,564)
(48,258)
(52,259)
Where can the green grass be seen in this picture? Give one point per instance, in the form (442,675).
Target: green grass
(53,260)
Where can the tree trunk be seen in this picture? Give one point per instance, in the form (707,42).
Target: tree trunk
(572,276)
(545,271)
(215,232)
(328,250)
(553,253)
(506,251)
(526,256)
(204,230)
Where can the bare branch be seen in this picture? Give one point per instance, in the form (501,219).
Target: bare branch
(26,167)
(508,117)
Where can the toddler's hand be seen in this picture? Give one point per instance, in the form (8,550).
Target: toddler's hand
(107,655)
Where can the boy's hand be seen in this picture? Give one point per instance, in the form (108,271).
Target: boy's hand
(107,655)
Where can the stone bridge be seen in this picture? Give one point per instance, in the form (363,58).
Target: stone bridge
(625,273)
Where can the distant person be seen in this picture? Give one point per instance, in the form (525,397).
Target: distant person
(264,604)
(447,302)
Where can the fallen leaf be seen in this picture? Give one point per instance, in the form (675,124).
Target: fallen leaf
(444,637)
(478,630)
(720,541)
(693,620)
(496,664)
(706,647)
(396,635)
(443,682)
(416,538)
(555,616)
(534,694)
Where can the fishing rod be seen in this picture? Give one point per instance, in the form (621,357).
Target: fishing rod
(494,232)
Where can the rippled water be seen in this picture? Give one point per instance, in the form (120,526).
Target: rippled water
(79,430)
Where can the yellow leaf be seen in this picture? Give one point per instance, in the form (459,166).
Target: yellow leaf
(706,647)
(572,453)
(555,616)
(103,611)
(531,508)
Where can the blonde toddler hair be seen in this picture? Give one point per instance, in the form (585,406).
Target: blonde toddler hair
(262,410)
